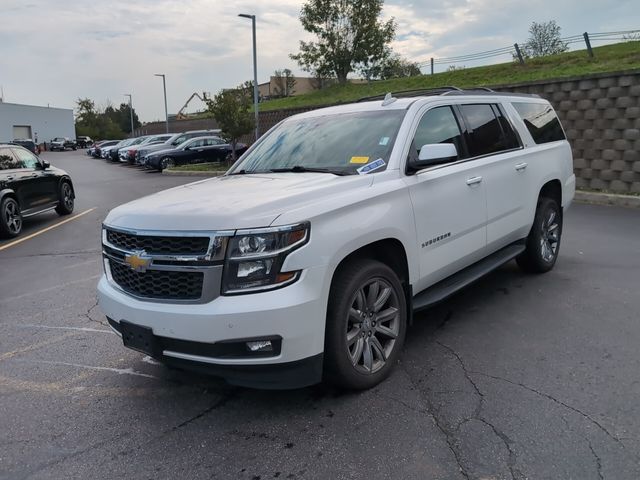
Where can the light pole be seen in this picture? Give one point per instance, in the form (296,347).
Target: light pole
(164,86)
(130,110)
(255,69)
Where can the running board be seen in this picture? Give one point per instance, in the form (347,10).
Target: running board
(447,287)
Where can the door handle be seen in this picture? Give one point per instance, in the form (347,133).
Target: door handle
(521,166)
(474,180)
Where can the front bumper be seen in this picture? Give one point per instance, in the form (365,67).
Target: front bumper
(295,313)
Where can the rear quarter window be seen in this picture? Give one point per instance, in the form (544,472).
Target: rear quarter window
(541,121)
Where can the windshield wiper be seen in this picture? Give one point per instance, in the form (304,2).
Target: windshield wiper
(301,169)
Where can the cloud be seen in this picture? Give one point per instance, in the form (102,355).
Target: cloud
(54,52)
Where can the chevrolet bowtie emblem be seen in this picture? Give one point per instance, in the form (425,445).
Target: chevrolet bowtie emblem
(138,261)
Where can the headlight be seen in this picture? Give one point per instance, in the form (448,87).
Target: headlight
(255,258)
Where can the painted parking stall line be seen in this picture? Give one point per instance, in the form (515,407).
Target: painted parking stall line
(44,230)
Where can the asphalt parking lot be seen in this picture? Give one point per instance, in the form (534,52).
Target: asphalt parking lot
(534,377)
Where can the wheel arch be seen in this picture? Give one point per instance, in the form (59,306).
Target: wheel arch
(552,189)
(392,253)
(8,192)
(66,178)
(389,251)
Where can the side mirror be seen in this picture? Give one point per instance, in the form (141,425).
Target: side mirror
(45,164)
(433,154)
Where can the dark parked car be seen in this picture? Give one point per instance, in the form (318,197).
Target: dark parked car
(95,150)
(196,150)
(27,143)
(83,141)
(62,143)
(28,186)
(173,142)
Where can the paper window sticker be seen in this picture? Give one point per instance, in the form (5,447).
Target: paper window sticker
(359,160)
(375,165)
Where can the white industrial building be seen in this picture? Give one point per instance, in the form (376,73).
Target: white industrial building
(29,121)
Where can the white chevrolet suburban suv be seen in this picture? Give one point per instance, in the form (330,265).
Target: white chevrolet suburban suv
(307,259)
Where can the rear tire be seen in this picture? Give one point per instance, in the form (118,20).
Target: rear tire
(543,242)
(10,218)
(366,324)
(66,199)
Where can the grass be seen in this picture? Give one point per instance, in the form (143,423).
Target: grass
(609,58)
(200,167)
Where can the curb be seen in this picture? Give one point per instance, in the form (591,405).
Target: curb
(178,173)
(610,199)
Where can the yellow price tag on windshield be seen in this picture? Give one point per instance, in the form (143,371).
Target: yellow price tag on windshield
(359,159)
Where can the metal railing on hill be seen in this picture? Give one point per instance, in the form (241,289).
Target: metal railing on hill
(514,51)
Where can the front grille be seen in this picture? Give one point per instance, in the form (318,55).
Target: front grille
(155,245)
(168,285)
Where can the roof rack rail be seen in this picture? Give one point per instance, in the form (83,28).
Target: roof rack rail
(444,90)
(411,93)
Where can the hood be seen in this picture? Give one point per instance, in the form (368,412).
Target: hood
(164,151)
(232,202)
(157,147)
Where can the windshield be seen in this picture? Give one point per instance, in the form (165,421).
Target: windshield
(340,143)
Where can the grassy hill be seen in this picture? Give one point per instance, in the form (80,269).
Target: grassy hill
(609,58)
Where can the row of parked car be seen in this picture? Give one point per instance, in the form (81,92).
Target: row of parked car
(157,152)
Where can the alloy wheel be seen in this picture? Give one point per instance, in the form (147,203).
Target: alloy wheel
(67,196)
(373,325)
(550,237)
(12,217)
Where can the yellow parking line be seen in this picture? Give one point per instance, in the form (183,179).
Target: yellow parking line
(40,232)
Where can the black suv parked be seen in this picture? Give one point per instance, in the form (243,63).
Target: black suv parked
(62,143)
(28,186)
(83,141)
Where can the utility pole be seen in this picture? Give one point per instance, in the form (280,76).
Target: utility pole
(164,87)
(255,71)
(130,110)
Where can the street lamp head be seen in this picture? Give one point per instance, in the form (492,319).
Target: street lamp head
(245,15)
(159,74)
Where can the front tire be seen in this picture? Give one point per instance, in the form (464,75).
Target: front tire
(66,202)
(10,218)
(543,242)
(167,162)
(366,325)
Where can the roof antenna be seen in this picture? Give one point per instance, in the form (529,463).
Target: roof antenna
(388,99)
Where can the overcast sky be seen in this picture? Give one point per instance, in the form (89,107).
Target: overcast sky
(54,51)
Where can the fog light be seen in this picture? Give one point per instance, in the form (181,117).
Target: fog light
(260,346)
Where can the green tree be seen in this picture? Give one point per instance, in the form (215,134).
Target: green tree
(94,123)
(350,36)
(391,65)
(285,82)
(232,110)
(544,39)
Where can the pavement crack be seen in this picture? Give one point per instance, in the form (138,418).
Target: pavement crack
(449,436)
(87,314)
(221,402)
(511,463)
(559,402)
(478,410)
(598,460)
(477,414)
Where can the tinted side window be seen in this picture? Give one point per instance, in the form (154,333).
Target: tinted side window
(26,158)
(510,137)
(438,125)
(485,133)
(8,160)
(541,121)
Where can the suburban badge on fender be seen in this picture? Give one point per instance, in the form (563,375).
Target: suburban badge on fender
(138,261)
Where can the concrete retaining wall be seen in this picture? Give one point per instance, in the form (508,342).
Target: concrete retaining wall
(601,116)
